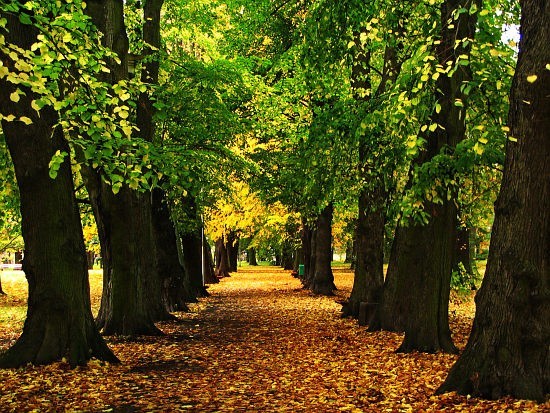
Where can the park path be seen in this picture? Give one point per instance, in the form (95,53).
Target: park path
(259,343)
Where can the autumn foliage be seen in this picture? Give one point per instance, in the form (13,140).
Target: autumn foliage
(259,343)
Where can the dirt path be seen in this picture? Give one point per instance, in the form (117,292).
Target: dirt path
(258,344)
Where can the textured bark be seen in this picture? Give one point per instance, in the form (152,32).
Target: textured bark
(369,270)
(508,351)
(323,279)
(175,295)
(422,255)
(232,247)
(368,245)
(287,258)
(208,264)
(221,258)
(59,321)
(193,263)
(132,298)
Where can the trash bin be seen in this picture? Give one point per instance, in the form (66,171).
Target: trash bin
(301,269)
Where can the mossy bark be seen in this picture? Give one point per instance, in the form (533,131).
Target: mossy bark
(508,351)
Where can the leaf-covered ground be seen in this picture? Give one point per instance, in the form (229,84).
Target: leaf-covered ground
(259,343)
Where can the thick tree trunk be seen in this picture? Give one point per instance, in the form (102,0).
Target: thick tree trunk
(252,260)
(368,244)
(221,258)
(422,264)
(132,294)
(175,295)
(323,279)
(232,247)
(369,270)
(193,262)
(59,321)
(126,308)
(508,351)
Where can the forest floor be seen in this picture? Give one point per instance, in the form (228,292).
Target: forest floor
(259,343)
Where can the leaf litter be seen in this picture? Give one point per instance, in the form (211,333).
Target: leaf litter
(258,343)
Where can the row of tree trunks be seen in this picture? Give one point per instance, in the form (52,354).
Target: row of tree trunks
(59,321)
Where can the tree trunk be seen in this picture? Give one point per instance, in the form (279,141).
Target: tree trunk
(287,261)
(368,243)
(193,262)
(208,264)
(175,295)
(132,294)
(252,260)
(221,257)
(59,320)
(462,259)
(308,247)
(422,264)
(369,270)
(323,279)
(232,247)
(508,351)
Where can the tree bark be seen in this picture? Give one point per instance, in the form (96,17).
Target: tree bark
(287,259)
(232,247)
(422,255)
(193,262)
(252,260)
(221,258)
(368,244)
(208,264)
(59,320)
(508,351)
(369,271)
(132,297)
(175,295)
(323,279)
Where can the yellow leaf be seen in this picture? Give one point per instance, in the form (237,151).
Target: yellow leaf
(25,120)
(532,78)
(14,96)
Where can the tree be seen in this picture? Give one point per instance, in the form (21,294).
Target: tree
(59,321)
(131,300)
(422,254)
(507,352)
